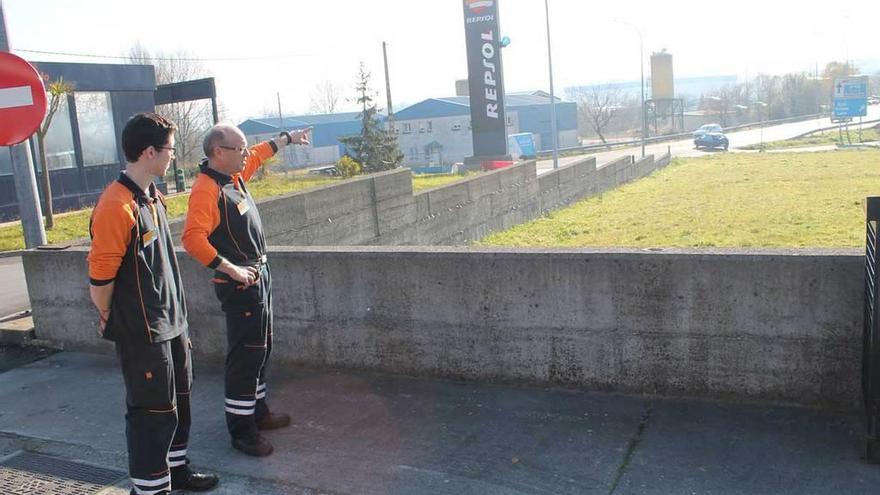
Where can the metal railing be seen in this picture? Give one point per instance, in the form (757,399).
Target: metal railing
(871,333)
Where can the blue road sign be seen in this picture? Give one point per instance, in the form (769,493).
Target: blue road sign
(850,97)
(850,108)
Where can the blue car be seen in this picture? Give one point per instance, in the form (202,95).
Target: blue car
(707,128)
(711,140)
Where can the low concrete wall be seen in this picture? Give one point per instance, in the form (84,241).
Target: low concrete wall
(381,209)
(781,326)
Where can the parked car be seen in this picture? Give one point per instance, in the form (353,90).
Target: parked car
(328,170)
(710,140)
(708,128)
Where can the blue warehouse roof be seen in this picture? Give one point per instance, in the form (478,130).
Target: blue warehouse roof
(452,106)
(327,127)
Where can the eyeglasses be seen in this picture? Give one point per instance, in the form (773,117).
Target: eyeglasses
(171,149)
(240,149)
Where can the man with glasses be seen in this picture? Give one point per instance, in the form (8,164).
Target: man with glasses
(223,231)
(135,285)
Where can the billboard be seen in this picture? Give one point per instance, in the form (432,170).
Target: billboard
(485,78)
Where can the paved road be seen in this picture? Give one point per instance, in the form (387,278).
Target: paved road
(685,147)
(373,434)
(13,288)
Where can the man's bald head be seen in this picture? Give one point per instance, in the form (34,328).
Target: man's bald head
(219,134)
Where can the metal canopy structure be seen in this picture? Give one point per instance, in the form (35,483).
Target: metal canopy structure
(181,92)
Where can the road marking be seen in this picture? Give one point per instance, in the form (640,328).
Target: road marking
(16,97)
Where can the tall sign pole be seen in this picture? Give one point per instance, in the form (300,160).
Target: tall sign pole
(387,82)
(15,97)
(485,83)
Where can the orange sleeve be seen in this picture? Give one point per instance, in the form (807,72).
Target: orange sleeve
(202,217)
(259,153)
(111,223)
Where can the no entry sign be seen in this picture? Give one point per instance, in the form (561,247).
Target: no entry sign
(22,99)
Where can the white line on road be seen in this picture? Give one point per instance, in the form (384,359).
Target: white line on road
(16,97)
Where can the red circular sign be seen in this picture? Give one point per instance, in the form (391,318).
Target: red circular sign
(22,99)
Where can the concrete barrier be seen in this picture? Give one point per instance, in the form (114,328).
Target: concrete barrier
(771,325)
(381,209)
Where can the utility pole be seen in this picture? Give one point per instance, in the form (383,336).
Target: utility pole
(642,70)
(286,149)
(23,172)
(642,111)
(552,95)
(387,83)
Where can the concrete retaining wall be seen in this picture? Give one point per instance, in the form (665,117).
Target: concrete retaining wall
(781,326)
(381,209)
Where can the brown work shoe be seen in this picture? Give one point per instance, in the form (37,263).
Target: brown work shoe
(273,421)
(253,445)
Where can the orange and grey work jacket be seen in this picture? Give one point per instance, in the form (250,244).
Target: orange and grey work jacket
(222,221)
(131,247)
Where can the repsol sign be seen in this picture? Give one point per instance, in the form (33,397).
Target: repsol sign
(485,77)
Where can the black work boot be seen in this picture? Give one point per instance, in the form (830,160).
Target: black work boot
(252,444)
(183,478)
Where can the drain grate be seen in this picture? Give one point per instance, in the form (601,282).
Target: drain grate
(34,474)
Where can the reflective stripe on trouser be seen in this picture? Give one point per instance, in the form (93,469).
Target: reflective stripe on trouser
(249,343)
(158,380)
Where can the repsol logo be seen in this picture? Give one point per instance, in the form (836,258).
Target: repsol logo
(490,83)
(477,6)
(480,18)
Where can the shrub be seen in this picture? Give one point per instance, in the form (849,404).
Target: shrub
(347,167)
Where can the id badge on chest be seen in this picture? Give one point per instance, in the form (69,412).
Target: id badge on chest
(243,207)
(149,237)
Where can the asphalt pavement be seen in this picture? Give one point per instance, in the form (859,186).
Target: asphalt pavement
(368,433)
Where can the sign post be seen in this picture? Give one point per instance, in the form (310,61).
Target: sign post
(22,109)
(485,85)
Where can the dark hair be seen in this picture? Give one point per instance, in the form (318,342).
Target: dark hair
(144,130)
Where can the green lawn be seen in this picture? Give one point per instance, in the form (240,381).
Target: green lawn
(821,139)
(427,181)
(75,225)
(727,199)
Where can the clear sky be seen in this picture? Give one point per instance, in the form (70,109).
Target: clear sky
(296,45)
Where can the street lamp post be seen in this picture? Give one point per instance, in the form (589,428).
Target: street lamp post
(553,126)
(763,115)
(642,84)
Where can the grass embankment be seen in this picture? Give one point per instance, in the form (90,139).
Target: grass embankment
(729,199)
(825,138)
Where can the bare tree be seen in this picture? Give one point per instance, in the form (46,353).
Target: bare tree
(325,98)
(193,118)
(58,91)
(724,101)
(600,105)
(768,89)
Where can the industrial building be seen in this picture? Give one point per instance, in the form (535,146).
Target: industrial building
(435,131)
